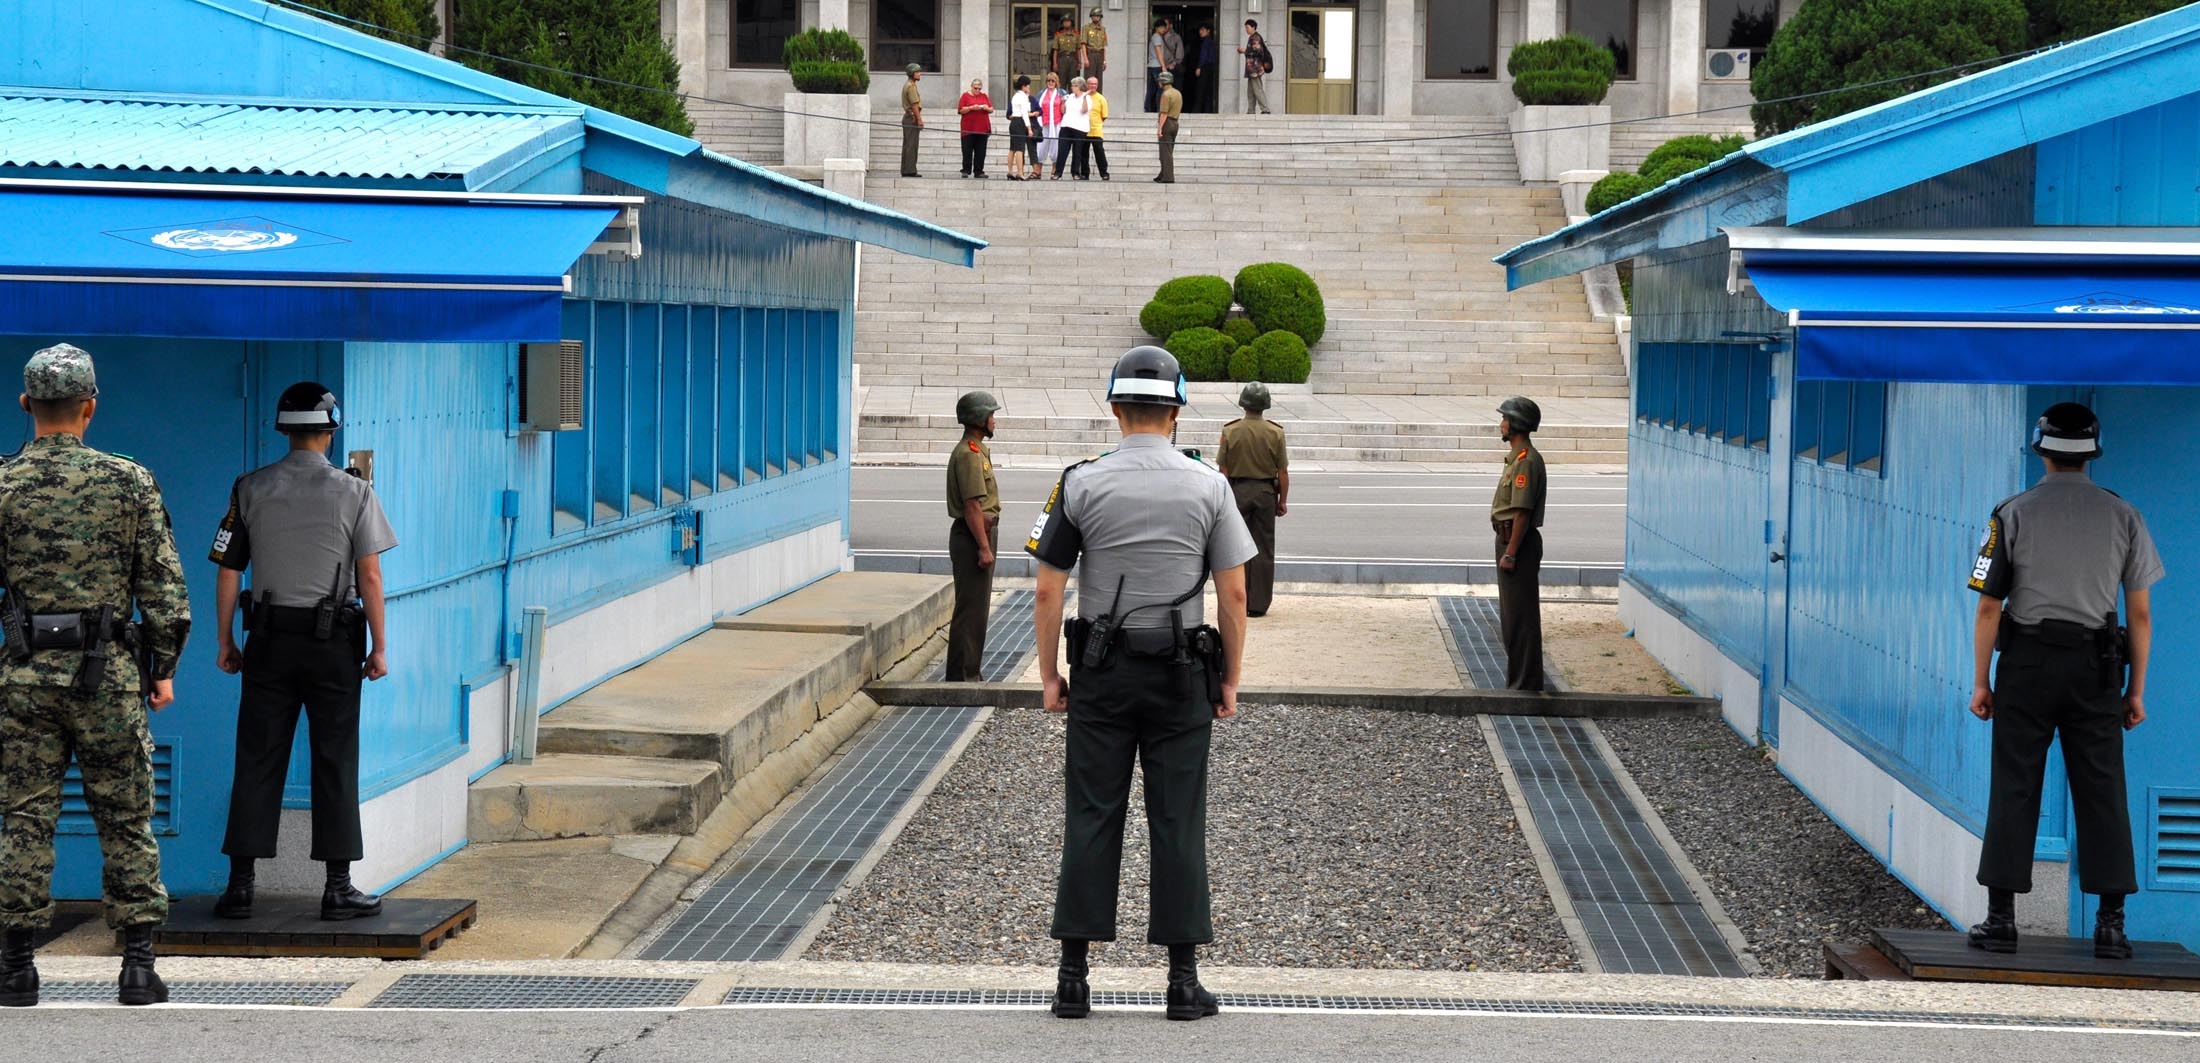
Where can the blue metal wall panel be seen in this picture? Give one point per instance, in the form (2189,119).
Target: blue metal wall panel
(2140,169)
(693,254)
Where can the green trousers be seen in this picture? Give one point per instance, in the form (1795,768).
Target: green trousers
(1140,708)
(41,728)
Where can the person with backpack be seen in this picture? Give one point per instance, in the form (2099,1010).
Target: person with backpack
(1258,64)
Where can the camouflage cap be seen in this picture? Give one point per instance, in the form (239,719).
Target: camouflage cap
(62,371)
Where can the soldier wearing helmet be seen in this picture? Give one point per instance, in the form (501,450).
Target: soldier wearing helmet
(1516,515)
(2047,576)
(1258,464)
(1144,526)
(312,538)
(974,504)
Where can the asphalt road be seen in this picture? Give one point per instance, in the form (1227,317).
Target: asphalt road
(852,1036)
(1354,515)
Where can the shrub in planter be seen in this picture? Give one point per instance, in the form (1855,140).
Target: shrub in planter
(1613,189)
(1241,329)
(1569,71)
(1245,365)
(1202,352)
(826,61)
(1277,295)
(1281,359)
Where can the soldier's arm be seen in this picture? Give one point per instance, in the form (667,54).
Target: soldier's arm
(2139,622)
(157,584)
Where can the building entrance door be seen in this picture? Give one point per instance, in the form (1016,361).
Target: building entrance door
(1031,35)
(1199,85)
(1319,68)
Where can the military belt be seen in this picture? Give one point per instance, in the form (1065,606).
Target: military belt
(1252,479)
(74,631)
(298,619)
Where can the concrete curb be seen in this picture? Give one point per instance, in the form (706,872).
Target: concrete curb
(1433,701)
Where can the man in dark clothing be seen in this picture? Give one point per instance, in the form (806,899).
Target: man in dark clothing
(1206,71)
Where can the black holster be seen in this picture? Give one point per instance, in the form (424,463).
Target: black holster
(91,673)
(2113,643)
(15,625)
(1207,646)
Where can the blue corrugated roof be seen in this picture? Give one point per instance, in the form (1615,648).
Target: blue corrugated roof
(1808,172)
(199,135)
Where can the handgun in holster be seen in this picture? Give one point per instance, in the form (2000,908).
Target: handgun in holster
(252,608)
(2113,644)
(91,672)
(1207,644)
(15,625)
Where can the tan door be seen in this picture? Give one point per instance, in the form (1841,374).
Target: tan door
(1319,72)
(1031,35)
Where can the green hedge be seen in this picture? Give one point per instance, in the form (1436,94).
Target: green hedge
(1569,71)
(1199,288)
(1186,302)
(1704,150)
(1241,329)
(827,61)
(1277,295)
(1280,357)
(1203,352)
(1245,365)
(1613,189)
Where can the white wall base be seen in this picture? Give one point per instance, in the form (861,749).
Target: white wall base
(1693,659)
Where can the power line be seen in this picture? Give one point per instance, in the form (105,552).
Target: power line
(1181,145)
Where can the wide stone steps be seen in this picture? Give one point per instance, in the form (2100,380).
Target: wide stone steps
(1633,141)
(1031,439)
(751,134)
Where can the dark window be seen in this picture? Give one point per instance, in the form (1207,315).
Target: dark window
(1841,425)
(607,428)
(1462,39)
(1810,395)
(1739,23)
(1760,399)
(760,30)
(905,32)
(1610,23)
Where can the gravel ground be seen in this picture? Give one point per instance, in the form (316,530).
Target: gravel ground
(1337,839)
(1787,876)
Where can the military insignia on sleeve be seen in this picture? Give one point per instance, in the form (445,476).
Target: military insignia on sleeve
(1520,480)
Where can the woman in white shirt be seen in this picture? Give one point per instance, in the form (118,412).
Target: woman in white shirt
(1019,127)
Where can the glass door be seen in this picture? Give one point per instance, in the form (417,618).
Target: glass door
(1319,71)
(1031,35)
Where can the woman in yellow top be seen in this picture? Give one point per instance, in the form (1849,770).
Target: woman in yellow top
(1099,117)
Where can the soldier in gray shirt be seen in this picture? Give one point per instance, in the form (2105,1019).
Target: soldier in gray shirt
(313,537)
(1144,526)
(2047,575)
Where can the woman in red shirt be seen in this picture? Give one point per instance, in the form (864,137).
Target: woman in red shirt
(977,124)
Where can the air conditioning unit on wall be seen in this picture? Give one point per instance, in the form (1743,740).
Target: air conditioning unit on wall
(552,382)
(1727,64)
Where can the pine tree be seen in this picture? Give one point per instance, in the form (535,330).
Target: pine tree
(408,22)
(615,46)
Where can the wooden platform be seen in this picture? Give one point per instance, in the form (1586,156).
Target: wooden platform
(408,929)
(1947,956)
(1860,962)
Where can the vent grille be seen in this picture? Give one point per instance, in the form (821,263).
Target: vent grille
(76,815)
(552,385)
(2175,828)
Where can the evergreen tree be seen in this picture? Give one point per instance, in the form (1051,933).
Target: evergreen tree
(408,22)
(1832,44)
(617,41)
(2055,21)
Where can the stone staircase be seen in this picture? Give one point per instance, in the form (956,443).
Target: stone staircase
(1061,440)
(1634,141)
(750,134)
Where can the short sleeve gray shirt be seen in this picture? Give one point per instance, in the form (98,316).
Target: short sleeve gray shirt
(302,525)
(1158,521)
(2071,544)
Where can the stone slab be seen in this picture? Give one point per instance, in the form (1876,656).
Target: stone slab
(569,795)
(1438,701)
(891,612)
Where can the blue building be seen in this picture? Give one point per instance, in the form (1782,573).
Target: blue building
(1843,335)
(219,197)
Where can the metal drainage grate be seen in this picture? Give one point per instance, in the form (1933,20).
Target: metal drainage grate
(300,994)
(1477,651)
(1009,639)
(1636,908)
(469,991)
(1034,998)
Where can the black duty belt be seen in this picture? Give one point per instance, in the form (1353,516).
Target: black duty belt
(2057,632)
(73,631)
(1252,479)
(299,619)
(1148,641)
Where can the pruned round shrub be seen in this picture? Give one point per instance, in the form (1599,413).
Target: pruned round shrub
(826,61)
(1198,288)
(1278,295)
(1696,147)
(1569,71)
(1162,320)
(1280,358)
(1241,329)
(1613,189)
(1245,365)
(1203,352)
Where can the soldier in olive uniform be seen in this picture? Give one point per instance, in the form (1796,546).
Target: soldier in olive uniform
(1096,46)
(84,538)
(912,119)
(974,503)
(1172,105)
(1254,457)
(1516,515)
(1063,53)
(2047,576)
(1144,526)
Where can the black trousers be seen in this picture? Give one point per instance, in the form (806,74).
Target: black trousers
(1256,502)
(1099,154)
(974,153)
(1143,708)
(1520,612)
(973,603)
(1073,153)
(2042,689)
(283,671)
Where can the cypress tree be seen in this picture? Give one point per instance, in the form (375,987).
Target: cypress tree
(617,41)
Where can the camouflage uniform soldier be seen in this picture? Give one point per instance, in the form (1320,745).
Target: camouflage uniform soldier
(83,536)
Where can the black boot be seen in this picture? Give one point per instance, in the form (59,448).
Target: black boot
(1999,932)
(140,984)
(1072,996)
(236,900)
(1188,999)
(341,900)
(2109,942)
(18,974)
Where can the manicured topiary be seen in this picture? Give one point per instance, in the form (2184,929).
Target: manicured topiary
(1570,71)
(1241,329)
(1696,148)
(1282,358)
(826,61)
(1245,365)
(1876,45)
(1613,189)
(1277,295)
(1203,352)
(1198,288)
(1163,320)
